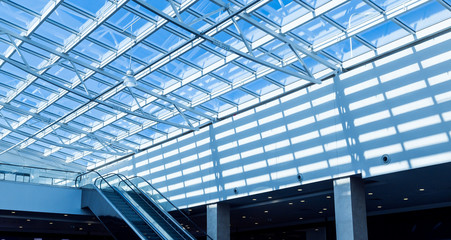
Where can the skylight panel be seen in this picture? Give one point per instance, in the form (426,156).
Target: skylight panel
(15,16)
(57,110)
(217,105)
(92,50)
(313,65)
(4,44)
(178,69)
(165,40)
(194,22)
(28,100)
(352,13)
(68,18)
(384,33)
(35,5)
(200,57)
(316,3)
(249,31)
(189,93)
(92,7)
(232,72)
(342,50)
(150,109)
(145,53)
(56,34)
(32,59)
(389,4)
(159,79)
(210,83)
(260,86)
(237,96)
(316,31)
(425,16)
(282,12)
(108,36)
(9,79)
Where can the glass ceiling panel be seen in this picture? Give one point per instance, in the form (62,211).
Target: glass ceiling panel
(315,31)
(425,16)
(352,13)
(282,12)
(203,77)
(383,34)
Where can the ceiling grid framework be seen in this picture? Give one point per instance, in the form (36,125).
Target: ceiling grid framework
(64,93)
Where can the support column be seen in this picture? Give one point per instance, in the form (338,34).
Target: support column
(218,221)
(350,209)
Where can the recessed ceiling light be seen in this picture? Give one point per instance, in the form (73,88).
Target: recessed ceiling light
(269,197)
(13,212)
(405,199)
(324,209)
(190,210)
(28,220)
(320,212)
(328,196)
(290,203)
(266,211)
(299,189)
(80,229)
(379,206)
(243,217)
(421,189)
(254,199)
(301,218)
(370,194)
(20,226)
(89,224)
(302,200)
(65,215)
(50,223)
(316,229)
(256,223)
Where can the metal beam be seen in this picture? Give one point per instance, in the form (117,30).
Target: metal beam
(223,45)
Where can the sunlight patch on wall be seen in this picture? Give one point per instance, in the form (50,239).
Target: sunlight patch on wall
(361,86)
(412,106)
(426,141)
(419,123)
(366,102)
(392,167)
(405,89)
(377,152)
(381,133)
(371,118)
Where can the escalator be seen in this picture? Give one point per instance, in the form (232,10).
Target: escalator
(129,212)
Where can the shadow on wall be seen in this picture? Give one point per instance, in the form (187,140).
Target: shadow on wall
(399,106)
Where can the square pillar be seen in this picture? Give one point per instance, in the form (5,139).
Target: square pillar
(218,221)
(350,209)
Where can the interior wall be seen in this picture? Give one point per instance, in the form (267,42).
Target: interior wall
(399,105)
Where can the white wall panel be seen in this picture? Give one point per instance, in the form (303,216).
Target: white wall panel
(398,105)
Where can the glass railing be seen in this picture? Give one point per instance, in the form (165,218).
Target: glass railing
(29,174)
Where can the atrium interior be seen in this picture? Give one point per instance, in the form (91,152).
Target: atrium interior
(225,119)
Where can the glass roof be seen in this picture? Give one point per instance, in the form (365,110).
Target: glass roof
(89,81)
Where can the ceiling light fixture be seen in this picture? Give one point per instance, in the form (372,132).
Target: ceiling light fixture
(130,80)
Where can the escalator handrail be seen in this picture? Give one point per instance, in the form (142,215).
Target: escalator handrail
(188,218)
(103,178)
(124,179)
(79,176)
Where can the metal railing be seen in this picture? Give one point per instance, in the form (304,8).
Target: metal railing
(39,175)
